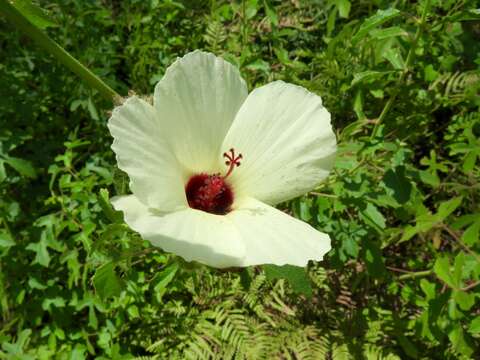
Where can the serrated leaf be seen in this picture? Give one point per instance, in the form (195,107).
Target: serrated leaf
(296,276)
(106,281)
(373,21)
(36,15)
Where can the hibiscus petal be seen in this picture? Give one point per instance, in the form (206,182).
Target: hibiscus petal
(192,234)
(197,100)
(143,153)
(273,237)
(287,142)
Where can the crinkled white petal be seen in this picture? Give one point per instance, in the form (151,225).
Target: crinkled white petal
(287,142)
(197,100)
(156,177)
(272,237)
(192,234)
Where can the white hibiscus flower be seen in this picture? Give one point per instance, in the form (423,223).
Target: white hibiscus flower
(183,156)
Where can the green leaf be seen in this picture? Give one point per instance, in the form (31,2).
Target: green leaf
(6,240)
(3,173)
(42,256)
(56,301)
(344,8)
(23,167)
(17,347)
(282,55)
(104,201)
(368,76)
(469,161)
(373,217)
(395,58)
(464,299)
(457,338)
(350,246)
(442,270)
(374,259)
(448,207)
(427,221)
(295,275)
(258,65)
(474,327)
(387,33)
(358,108)
(429,178)
(409,347)
(271,14)
(332,17)
(36,15)
(471,234)
(163,278)
(106,281)
(374,21)
(396,180)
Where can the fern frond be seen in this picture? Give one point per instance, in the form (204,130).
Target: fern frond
(215,36)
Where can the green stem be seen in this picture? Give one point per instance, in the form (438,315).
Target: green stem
(12,14)
(408,64)
(415,275)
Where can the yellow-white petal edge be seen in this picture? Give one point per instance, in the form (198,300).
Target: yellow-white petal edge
(192,234)
(254,234)
(144,154)
(287,142)
(197,100)
(272,237)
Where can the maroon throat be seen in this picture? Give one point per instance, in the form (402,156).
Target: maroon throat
(211,193)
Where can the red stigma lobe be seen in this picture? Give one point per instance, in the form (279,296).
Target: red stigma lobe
(231,161)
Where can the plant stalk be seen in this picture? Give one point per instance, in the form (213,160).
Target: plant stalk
(42,39)
(415,274)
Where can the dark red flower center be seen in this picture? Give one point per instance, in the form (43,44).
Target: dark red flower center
(211,193)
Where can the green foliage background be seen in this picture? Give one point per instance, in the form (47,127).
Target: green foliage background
(401,206)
